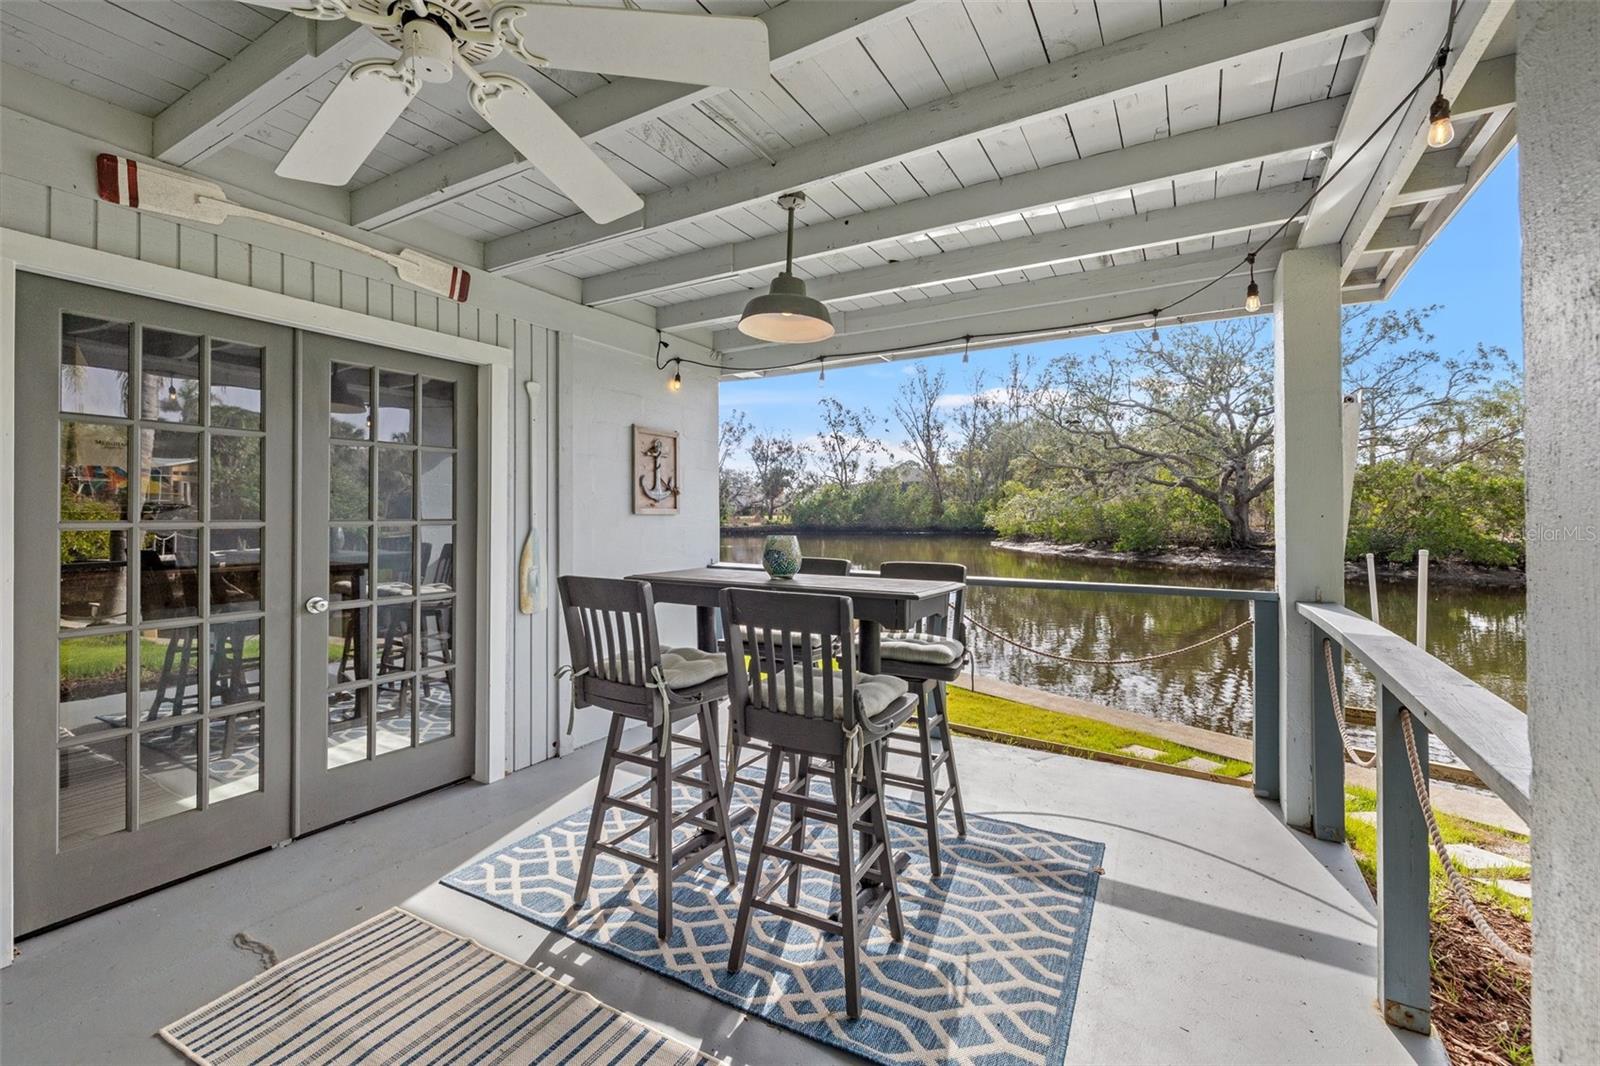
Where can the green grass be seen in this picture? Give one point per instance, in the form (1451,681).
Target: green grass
(1363,840)
(1020,719)
(92,658)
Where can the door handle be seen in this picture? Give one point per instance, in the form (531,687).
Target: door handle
(317,605)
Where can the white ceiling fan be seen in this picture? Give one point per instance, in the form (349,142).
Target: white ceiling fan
(438,37)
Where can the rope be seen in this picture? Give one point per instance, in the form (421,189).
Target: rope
(1458,884)
(1338,711)
(1107,662)
(245,942)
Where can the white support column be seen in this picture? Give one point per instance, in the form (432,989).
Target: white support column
(1558,98)
(1308,493)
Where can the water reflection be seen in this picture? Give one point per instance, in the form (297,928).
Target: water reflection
(1478,631)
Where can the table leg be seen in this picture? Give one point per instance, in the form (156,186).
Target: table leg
(705,621)
(870,661)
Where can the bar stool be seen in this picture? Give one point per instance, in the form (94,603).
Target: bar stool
(737,762)
(618,664)
(815,710)
(926,658)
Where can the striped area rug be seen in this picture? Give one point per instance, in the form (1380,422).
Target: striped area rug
(399,990)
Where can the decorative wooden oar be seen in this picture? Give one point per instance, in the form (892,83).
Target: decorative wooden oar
(183,196)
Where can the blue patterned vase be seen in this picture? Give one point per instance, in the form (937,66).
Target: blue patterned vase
(780,556)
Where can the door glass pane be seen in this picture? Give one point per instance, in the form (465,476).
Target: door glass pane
(93,684)
(395,488)
(348,565)
(394,561)
(94,577)
(95,364)
(349,482)
(396,398)
(235,570)
(436,706)
(236,662)
(94,472)
(438,548)
(235,385)
(169,574)
(394,638)
(92,782)
(235,478)
(437,639)
(349,644)
(169,771)
(347,726)
(169,673)
(169,475)
(394,715)
(350,402)
(438,414)
(436,485)
(170,365)
(234,762)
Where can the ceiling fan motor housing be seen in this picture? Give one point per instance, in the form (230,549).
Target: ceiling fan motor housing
(428,49)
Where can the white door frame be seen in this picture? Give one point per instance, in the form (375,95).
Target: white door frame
(38,255)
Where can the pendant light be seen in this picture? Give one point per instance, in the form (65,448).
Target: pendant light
(1252,293)
(785,314)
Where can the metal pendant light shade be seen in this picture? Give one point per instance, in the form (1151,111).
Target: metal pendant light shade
(785,314)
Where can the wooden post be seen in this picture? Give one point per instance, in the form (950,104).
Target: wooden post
(1403,972)
(1265,730)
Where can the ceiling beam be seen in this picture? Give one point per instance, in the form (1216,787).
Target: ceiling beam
(1434,177)
(1289,132)
(1232,214)
(292,55)
(1396,234)
(1204,42)
(795,32)
(992,323)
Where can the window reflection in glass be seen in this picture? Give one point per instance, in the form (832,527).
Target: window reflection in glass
(169,771)
(169,475)
(437,549)
(235,559)
(394,715)
(94,577)
(92,780)
(347,727)
(349,567)
(169,574)
(169,673)
(170,366)
(349,646)
(438,415)
(235,385)
(395,483)
(95,365)
(394,638)
(235,662)
(92,678)
(235,478)
(436,706)
(394,561)
(94,472)
(350,402)
(349,482)
(396,398)
(234,761)
(436,485)
(436,636)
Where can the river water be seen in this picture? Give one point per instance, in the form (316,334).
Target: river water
(1478,631)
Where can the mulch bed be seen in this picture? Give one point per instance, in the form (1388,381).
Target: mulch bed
(1482,1005)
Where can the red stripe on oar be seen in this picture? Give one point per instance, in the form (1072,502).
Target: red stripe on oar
(466,282)
(105,173)
(133,184)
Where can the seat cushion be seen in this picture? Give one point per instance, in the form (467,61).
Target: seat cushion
(874,692)
(921,648)
(691,667)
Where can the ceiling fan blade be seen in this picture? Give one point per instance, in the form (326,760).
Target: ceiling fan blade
(538,133)
(311,9)
(667,46)
(349,124)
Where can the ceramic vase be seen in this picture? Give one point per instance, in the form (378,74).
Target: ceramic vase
(780,556)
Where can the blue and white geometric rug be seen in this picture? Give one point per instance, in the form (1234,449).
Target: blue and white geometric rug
(987,973)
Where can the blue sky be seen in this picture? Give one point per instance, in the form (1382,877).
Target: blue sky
(1472,269)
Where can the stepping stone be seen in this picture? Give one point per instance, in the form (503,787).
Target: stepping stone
(1369,817)
(1475,858)
(1520,889)
(1139,751)
(1201,763)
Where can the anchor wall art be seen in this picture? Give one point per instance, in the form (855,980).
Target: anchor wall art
(655,471)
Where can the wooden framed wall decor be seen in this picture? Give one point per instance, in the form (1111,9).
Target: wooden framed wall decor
(655,471)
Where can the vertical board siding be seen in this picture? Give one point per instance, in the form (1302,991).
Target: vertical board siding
(342,278)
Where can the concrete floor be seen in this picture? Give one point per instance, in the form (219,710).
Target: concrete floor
(1218,935)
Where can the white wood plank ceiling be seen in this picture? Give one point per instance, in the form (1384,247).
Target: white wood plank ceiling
(951,150)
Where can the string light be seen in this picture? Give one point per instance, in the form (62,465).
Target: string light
(1155,333)
(1440,129)
(676,384)
(966,351)
(822,372)
(1252,294)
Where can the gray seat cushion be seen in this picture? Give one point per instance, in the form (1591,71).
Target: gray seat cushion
(921,648)
(874,692)
(691,667)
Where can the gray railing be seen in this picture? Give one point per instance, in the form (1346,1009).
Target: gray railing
(1483,730)
(1263,658)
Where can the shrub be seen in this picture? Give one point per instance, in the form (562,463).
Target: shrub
(1465,514)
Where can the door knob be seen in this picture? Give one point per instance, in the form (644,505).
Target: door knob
(317,605)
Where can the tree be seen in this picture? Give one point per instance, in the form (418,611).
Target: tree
(780,465)
(988,431)
(916,408)
(730,438)
(846,448)
(1191,412)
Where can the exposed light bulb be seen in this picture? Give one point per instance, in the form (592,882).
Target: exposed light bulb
(1155,333)
(1252,298)
(172,393)
(1440,130)
(676,383)
(822,374)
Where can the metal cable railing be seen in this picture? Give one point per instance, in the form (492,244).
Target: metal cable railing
(1131,661)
